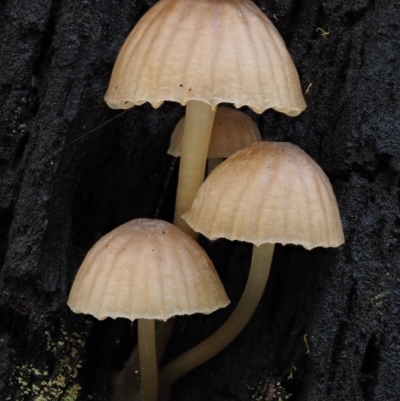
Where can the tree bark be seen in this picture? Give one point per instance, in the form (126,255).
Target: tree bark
(71,170)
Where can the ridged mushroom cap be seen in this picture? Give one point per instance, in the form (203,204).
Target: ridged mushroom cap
(270,192)
(209,50)
(232,130)
(146,269)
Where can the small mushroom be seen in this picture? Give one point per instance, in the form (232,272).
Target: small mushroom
(267,193)
(232,130)
(146,269)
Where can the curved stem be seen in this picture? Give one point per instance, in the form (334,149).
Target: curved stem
(148,359)
(196,138)
(257,280)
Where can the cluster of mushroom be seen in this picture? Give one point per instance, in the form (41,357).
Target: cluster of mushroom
(266,193)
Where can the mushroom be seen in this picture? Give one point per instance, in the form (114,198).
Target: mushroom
(267,193)
(232,130)
(187,51)
(146,269)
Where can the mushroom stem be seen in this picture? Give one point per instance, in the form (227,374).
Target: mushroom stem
(256,282)
(196,138)
(148,359)
(194,149)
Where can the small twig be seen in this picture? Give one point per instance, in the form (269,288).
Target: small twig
(324,33)
(306,342)
(292,370)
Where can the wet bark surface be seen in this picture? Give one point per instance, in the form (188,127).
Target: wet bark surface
(71,170)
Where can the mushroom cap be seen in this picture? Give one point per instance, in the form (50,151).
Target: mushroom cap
(270,192)
(208,50)
(146,269)
(232,130)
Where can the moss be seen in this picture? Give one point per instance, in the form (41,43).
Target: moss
(40,383)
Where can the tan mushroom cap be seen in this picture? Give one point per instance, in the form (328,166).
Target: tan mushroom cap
(270,192)
(232,130)
(209,50)
(146,269)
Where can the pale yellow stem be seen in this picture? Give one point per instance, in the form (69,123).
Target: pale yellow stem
(196,138)
(148,360)
(257,280)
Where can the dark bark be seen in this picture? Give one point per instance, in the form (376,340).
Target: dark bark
(69,175)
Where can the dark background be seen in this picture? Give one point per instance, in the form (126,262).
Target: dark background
(71,169)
